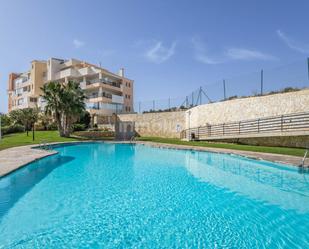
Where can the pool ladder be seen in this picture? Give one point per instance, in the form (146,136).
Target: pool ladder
(132,139)
(44,145)
(304,158)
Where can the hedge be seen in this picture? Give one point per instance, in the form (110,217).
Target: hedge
(95,134)
(79,127)
(12,129)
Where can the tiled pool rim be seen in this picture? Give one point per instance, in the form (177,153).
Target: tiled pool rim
(29,153)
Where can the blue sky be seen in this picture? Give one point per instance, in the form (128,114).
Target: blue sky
(168,47)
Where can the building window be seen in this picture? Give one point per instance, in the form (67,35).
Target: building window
(20,101)
(34,100)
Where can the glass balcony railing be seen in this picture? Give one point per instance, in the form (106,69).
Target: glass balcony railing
(104,95)
(104,81)
(105,106)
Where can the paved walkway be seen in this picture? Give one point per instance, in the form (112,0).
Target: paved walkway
(14,158)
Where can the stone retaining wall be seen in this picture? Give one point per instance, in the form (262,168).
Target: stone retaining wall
(161,124)
(248,108)
(169,124)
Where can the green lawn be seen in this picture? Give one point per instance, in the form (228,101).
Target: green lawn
(18,139)
(265,149)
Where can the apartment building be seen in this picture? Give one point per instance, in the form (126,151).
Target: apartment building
(107,93)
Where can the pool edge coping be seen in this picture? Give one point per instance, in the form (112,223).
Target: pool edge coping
(40,153)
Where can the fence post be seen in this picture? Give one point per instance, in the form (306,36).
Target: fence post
(169,104)
(198,133)
(308,66)
(258,125)
(192,99)
(239,127)
(224,90)
(281,122)
(262,81)
(223,128)
(139,107)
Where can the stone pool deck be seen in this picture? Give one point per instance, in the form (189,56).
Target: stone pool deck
(14,158)
(17,157)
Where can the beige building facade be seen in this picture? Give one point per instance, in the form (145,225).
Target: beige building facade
(107,93)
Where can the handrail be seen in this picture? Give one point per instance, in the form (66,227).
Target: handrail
(304,159)
(283,123)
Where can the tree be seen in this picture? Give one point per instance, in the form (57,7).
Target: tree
(26,117)
(65,101)
(84,118)
(5,119)
(45,120)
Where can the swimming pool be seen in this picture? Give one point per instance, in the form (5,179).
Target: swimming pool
(105,195)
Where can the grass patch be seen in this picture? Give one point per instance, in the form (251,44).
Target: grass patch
(19,139)
(264,149)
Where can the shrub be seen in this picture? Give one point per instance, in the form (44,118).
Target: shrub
(94,134)
(79,127)
(52,127)
(12,129)
(39,127)
(5,120)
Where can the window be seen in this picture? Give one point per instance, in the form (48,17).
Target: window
(44,74)
(20,101)
(34,100)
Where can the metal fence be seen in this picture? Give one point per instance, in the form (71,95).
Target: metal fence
(278,124)
(285,78)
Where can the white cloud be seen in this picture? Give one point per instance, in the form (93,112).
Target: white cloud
(158,53)
(78,43)
(293,44)
(202,55)
(247,54)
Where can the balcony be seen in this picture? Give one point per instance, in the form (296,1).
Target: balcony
(96,83)
(69,72)
(117,99)
(104,108)
(103,97)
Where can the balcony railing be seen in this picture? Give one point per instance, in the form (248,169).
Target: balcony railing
(104,95)
(117,108)
(111,83)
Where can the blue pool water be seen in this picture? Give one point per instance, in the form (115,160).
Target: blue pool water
(98,195)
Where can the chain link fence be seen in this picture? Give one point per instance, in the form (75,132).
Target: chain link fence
(290,77)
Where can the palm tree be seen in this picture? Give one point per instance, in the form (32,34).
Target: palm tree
(65,101)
